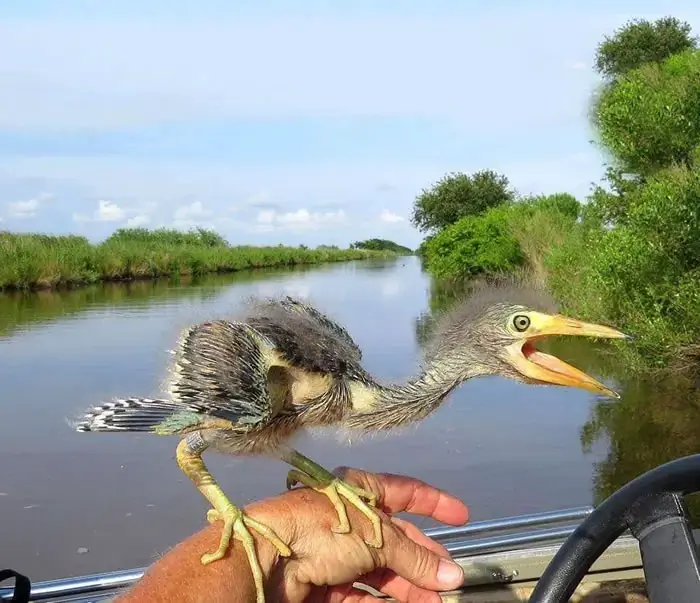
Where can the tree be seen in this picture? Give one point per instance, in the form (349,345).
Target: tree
(456,196)
(649,120)
(640,41)
(564,203)
(381,245)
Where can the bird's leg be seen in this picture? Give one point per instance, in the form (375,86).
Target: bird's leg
(314,476)
(236,523)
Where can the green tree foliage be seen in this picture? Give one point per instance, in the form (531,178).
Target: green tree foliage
(504,238)
(651,118)
(644,274)
(563,203)
(639,42)
(458,195)
(475,245)
(381,245)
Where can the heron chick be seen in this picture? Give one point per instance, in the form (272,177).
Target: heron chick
(245,387)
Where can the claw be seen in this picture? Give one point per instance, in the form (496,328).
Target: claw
(236,523)
(354,495)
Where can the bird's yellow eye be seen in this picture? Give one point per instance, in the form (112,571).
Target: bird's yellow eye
(521,322)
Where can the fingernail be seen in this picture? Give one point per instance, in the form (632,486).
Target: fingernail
(450,575)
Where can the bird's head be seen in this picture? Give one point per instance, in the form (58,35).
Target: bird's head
(489,336)
(513,333)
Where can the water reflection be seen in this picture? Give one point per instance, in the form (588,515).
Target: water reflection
(22,310)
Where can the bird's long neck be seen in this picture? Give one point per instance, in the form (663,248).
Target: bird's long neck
(380,407)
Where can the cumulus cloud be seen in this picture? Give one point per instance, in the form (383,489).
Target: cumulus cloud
(27,208)
(301,219)
(109,211)
(106,211)
(390,217)
(23,209)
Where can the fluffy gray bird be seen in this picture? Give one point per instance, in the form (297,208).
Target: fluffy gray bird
(244,387)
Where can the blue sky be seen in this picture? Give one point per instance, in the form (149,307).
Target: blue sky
(306,122)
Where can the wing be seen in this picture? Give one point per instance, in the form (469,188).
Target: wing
(306,338)
(221,370)
(324,322)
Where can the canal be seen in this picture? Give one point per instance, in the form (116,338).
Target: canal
(73,503)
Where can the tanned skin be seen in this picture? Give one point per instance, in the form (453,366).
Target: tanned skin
(410,567)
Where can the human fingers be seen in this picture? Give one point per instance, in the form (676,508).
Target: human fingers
(397,493)
(418,564)
(418,536)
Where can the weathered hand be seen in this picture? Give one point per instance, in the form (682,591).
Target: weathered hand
(410,567)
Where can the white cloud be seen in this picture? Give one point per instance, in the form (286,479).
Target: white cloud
(579,65)
(390,217)
(301,219)
(106,212)
(23,209)
(133,184)
(139,220)
(28,208)
(109,212)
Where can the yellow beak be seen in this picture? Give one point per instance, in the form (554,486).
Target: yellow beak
(548,369)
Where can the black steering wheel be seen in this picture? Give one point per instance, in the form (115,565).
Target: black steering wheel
(652,508)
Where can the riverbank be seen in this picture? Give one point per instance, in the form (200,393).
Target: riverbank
(34,261)
(629,255)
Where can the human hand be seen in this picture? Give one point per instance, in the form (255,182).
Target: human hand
(410,567)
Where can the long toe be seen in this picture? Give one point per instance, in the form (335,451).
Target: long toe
(350,493)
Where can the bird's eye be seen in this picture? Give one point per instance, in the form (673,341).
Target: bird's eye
(521,322)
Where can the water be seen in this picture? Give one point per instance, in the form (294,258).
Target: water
(505,448)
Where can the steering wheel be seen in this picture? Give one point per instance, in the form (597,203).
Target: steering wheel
(652,508)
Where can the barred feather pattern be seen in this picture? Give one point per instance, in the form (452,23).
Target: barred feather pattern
(127,414)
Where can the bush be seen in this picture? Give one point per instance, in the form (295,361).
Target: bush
(475,245)
(644,274)
(650,118)
(381,245)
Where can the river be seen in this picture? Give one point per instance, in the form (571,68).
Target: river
(73,503)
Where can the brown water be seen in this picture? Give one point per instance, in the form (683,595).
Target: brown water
(505,448)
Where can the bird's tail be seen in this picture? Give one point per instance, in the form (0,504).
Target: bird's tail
(129,414)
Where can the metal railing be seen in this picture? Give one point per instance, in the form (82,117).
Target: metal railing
(459,541)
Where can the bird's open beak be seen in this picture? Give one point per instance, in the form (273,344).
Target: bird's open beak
(548,369)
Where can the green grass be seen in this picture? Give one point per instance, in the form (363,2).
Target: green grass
(36,261)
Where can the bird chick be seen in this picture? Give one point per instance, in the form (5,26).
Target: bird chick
(246,386)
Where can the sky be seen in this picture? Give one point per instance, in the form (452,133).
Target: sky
(314,122)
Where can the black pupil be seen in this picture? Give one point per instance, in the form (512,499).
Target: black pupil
(522,322)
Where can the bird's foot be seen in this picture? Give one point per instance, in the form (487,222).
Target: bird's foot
(333,490)
(236,524)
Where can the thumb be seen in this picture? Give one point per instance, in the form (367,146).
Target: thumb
(420,566)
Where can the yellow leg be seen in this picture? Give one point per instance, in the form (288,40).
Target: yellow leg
(236,523)
(316,477)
